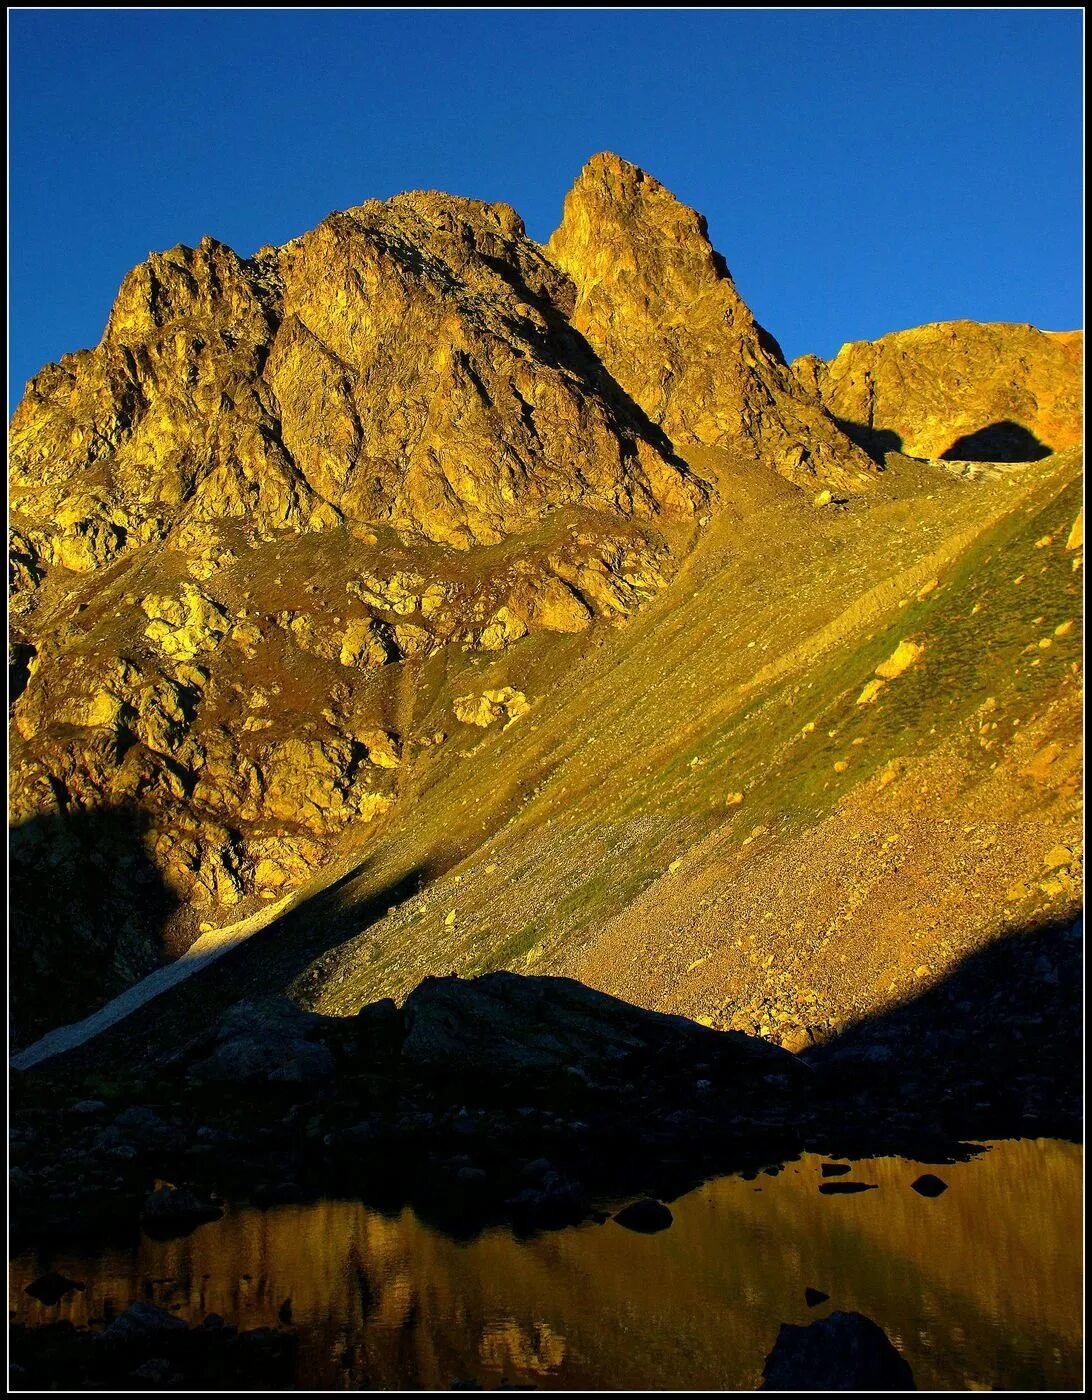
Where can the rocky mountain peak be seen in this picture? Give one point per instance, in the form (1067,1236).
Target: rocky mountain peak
(659,307)
(273,491)
(616,211)
(406,362)
(957,390)
(304,524)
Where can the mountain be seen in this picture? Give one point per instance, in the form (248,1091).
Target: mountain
(416,599)
(658,306)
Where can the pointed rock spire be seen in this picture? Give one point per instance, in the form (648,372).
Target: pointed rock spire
(657,304)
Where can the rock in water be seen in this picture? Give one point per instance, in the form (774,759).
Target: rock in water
(646,1217)
(929,1185)
(814,1296)
(171,1212)
(140,1322)
(844,1351)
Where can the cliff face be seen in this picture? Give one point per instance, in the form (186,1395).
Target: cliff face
(274,482)
(956,390)
(245,521)
(405,363)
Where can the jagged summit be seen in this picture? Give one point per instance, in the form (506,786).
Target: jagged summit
(406,362)
(657,303)
(467,381)
(275,483)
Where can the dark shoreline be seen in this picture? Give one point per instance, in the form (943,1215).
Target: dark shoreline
(441,1104)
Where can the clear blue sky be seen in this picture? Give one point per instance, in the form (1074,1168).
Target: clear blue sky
(861,172)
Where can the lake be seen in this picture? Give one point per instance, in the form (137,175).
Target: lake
(979,1288)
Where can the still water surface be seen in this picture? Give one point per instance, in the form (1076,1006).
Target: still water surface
(979,1288)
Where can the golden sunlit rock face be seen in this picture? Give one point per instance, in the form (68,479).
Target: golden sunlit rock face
(957,390)
(406,363)
(311,538)
(657,304)
(244,428)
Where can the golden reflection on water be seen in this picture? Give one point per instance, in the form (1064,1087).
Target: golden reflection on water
(980,1288)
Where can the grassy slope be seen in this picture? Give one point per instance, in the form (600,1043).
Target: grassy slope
(556,841)
(595,837)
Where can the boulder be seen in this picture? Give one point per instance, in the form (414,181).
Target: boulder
(157,1373)
(139,1323)
(269,1040)
(141,1121)
(88,1108)
(646,1217)
(140,1129)
(269,1017)
(52,1287)
(302,1063)
(377,1030)
(253,1058)
(485,709)
(172,1211)
(845,1351)
(502,1024)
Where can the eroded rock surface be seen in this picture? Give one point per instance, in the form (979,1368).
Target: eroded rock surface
(301,517)
(658,305)
(275,480)
(957,390)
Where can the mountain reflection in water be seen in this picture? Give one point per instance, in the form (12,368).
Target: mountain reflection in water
(980,1288)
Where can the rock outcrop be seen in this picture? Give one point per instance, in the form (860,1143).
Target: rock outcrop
(657,304)
(845,1351)
(506,1025)
(273,479)
(956,390)
(406,363)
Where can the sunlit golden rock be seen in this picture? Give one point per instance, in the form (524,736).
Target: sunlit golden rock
(960,390)
(491,705)
(905,655)
(294,512)
(657,304)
